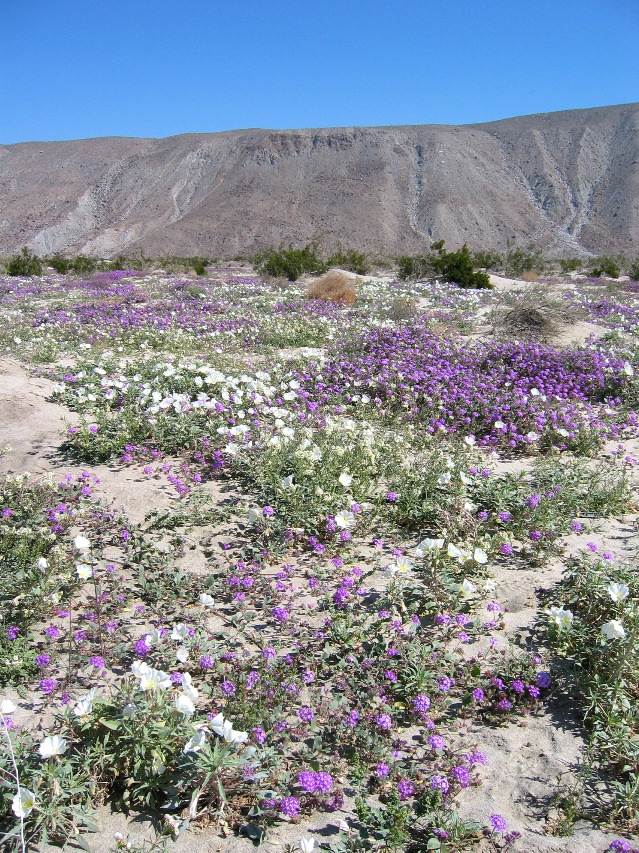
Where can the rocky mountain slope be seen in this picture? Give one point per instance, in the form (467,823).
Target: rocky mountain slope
(567,181)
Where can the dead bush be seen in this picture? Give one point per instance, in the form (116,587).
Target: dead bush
(536,315)
(402,309)
(529,275)
(333,286)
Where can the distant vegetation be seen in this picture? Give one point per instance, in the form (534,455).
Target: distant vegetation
(458,267)
(464,267)
(291,263)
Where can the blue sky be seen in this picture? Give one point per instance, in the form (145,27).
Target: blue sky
(80,68)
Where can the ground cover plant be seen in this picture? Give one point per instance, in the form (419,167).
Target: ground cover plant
(311,628)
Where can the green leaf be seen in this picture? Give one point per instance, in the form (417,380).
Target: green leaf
(114,725)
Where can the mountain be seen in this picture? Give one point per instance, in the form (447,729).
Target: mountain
(566,181)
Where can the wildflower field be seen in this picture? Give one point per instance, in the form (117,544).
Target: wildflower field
(283,572)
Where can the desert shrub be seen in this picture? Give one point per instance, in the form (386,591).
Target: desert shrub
(59,263)
(199,265)
(333,286)
(529,275)
(24,263)
(489,259)
(84,264)
(605,265)
(414,267)
(130,262)
(350,259)
(458,267)
(633,270)
(402,308)
(570,264)
(290,263)
(518,260)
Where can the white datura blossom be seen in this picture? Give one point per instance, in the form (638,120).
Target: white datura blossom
(345,519)
(81,543)
(180,632)
(467,589)
(560,617)
(151,679)
(428,545)
(224,728)
(287,484)
(52,745)
(23,803)
(206,599)
(401,566)
(184,704)
(618,591)
(7,706)
(613,630)
(195,743)
(83,571)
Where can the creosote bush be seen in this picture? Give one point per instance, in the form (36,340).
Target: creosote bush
(457,267)
(24,263)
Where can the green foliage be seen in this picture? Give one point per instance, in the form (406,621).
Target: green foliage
(129,262)
(458,267)
(633,270)
(605,265)
(605,671)
(349,259)
(24,263)
(59,263)
(199,266)
(518,260)
(489,259)
(414,267)
(570,264)
(17,658)
(291,263)
(83,264)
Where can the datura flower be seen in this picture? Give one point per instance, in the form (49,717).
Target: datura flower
(195,743)
(402,565)
(81,543)
(618,591)
(427,545)
(52,745)
(613,630)
(206,599)
(560,617)
(345,479)
(467,589)
(287,484)
(345,519)
(180,632)
(306,845)
(83,571)
(184,704)
(23,803)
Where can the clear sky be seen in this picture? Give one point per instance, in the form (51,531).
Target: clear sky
(73,69)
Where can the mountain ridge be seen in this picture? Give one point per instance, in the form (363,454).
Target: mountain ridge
(567,181)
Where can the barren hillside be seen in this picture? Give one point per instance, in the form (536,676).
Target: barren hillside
(567,181)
